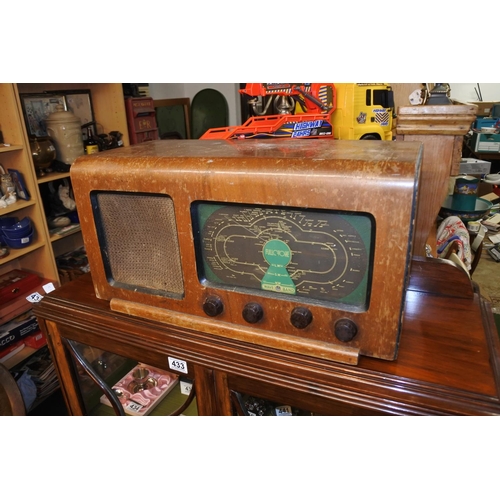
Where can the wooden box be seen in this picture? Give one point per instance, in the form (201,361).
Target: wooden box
(16,283)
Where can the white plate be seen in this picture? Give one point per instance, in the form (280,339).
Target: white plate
(492,178)
(489,130)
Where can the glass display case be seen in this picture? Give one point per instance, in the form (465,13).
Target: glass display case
(93,348)
(110,384)
(251,406)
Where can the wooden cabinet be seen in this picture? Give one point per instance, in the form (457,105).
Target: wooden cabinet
(38,256)
(109,111)
(448,362)
(141,117)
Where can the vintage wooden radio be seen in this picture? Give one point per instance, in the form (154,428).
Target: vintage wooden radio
(300,246)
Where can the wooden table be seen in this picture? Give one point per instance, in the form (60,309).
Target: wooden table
(448,361)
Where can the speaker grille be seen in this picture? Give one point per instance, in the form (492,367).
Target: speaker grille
(138,240)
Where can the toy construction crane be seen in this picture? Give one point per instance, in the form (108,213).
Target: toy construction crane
(301,110)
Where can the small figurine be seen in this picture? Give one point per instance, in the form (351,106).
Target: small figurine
(65,198)
(6,184)
(8,199)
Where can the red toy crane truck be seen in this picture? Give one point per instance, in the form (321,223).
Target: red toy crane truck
(316,100)
(315,110)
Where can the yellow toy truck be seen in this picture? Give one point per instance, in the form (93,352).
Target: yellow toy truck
(364,111)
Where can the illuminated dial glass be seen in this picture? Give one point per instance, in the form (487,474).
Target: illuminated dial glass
(310,254)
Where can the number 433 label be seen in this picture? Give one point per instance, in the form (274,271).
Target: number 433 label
(177,365)
(134,406)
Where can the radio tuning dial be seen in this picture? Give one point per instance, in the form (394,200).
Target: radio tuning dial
(253,312)
(345,329)
(213,306)
(301,317)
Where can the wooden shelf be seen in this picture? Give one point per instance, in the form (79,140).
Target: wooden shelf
(17,253)
(6,149)
(59,236)
(19,357)
(18,205)
(53,176)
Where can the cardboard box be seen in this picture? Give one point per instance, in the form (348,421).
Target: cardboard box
(11,350)
(484,108)
(36,340)
(17,329)
(474,166)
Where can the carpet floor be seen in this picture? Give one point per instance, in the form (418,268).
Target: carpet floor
(487,276)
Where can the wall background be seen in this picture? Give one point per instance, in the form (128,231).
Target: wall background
(459,91)
(174,90)
(465,91)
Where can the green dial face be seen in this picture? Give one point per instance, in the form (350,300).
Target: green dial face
(310,254)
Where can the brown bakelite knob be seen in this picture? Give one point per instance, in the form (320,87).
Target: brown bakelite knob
(213,306)
(301,317)
(253,312)
(345,329)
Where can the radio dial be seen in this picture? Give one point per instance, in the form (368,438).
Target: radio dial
(345,330)
(253,312)
(213,306)
(301,317)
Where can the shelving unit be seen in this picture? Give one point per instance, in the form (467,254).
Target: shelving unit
(40,256)
(109,112)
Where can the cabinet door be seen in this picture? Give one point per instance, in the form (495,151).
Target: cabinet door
(250,397)
(110,384)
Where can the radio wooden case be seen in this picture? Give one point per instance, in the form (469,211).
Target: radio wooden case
(302,246)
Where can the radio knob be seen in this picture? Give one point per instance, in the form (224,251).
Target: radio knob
(301,317)
(345,330)
(213,306)
(253,312)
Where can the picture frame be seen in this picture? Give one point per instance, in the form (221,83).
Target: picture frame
(18,180)
(37,107)
(172,117)
(79,102)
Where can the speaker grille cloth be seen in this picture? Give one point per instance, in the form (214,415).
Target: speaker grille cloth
(140,233)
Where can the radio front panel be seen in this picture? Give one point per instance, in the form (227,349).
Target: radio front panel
(304,254)
(302,246)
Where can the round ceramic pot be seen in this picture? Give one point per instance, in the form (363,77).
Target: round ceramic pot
(43,153)
(66,131)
